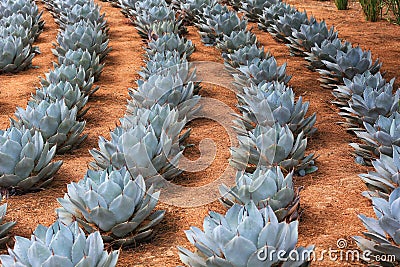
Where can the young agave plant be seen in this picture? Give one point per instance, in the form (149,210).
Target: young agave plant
(117,196)
(82,58)
(159,28)
(85,35)
(273,102)
(308,36)
(243,238)
(71,95)
(25,160)
(24,7)
(89,12)
(58,7)
(13,24)
(382,236)
(192,8)
(133,8)
(347,65)
(243,56)
(156,141)
(254,8)
(265,187)
(368,106)
(4,227)
(17,31)
(76,76)
(146,18)
(327,50)
(271,14)
(142,6)
(170,42)
(218,24)
(286,24)
(259,71)
(171,64)
(161,118)
(59,245)
(14,55)
(379,137)
(127,6)
(236,40)
(55,121)
(165,90)
(357,85)
(386,176)
(272,146)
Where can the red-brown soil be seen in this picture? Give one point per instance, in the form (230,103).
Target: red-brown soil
(331,198)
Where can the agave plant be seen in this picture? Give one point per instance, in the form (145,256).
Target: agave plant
(170,42)
(379,137)
(76,76)
(24,7)
(165,89)
(55,121)
(158,28)
(368,106)
(59,245)
(261,70)
(193,8)
(265,187)
(357,85)
(134,5)
(117,196)
(82,58)
(273,102)
(160,118)
(57,7)
(386,176)
(16,21)
(146,18)
(244,237)
(17,31)
(272,146)
(310,35)
(85,35)
(236,40)
(127,6)
(4,227)
(219,24)
(347,65)
(155,137)
(14,55)
(327,50)
(143,6)
(253,8)
(284,26)
(89,11)
(71,95)
(25,163)
(169,63)
(382,233)
(272,13)
(210,12)
(243,56)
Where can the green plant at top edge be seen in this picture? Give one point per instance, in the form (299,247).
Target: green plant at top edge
(372,9)
(341,4)
(393,10)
